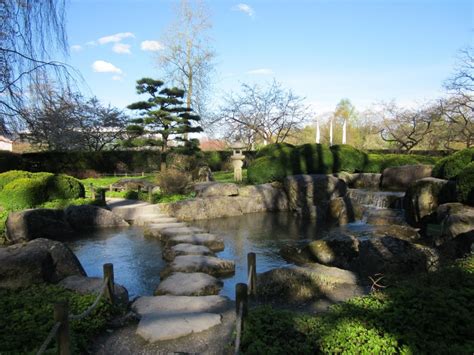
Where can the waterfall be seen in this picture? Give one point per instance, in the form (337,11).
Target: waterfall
(377,199)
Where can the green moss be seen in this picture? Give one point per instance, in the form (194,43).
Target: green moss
(425,314)
(450,166)
(465,185)
(348,158)
(27,317)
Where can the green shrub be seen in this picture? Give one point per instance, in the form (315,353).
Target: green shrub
(425,314)
(64,187)
(376,163)
(174,181)
(314,159)
(275,150)
(349,159)
(9,176)
(62,204)
(24,193)
(450,166)
(465,185)
(27,318)
(267,169)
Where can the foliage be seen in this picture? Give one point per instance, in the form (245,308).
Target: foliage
(37,188)
(173,181)
(27,317)
(427,313)
(313,159)
(450,166)
(465,185)
(11,175)
(228,176)
(162,113)
(376,163)
(62,204)
(267,169)
(348,158)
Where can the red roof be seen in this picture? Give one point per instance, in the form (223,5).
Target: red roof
(212,144)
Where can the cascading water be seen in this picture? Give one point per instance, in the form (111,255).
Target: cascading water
(377,199)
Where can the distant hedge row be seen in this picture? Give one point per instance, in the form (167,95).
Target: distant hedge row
(276,161)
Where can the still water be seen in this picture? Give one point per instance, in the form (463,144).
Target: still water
(137,260)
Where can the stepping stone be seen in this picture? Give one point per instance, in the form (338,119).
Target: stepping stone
(211,241)
(171,317)
(200,263)
(189,284)
(185,249)
(147,218)
(154,229)
(171,232)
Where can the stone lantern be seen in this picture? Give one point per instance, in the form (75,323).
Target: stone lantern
(237,158)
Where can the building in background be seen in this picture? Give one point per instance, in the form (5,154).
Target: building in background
(6,144)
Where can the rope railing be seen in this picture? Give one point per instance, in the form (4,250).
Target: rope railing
(62,317)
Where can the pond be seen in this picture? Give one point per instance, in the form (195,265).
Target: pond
(137,259)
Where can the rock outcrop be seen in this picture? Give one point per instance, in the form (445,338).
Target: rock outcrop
(400,177)
(38,261)
(91,217)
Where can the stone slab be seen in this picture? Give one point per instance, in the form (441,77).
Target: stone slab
(154,229)
(189,284)
(185,249)
(211,241)
(199,263)
(171,232)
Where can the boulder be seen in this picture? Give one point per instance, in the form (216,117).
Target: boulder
(132,184)
(338,250)
(85,285)
(306,191)
(91,217)
(400,177)
(269,196)
(189,284)
(37,223)
(211,241)
(457,221)
(185,249)
(342,211)
(199,263)
(38,261)
(424,196)
(365,180)
(385,216)
(218,189)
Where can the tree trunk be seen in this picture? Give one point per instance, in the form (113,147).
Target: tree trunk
(344,131)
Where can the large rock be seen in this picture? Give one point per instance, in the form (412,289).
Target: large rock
(39,261)
(199,263)
(260,198)
(338,250)
(342,211)
(307,191)
(189,284)
(457,221)
(385,216)
(424,196)
(171,317)
(217,189)
(37,223)
(365,180)
(400,177)
(85,285)
(185,249)
(90,217)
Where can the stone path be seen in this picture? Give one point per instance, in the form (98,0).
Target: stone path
(186,301)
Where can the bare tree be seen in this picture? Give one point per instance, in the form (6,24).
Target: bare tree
(30,31)
(266,115)
(458,113)
(462,81)
(406,128)
(187,58)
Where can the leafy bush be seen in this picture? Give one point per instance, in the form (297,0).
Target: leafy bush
(428,313)
(266,169)
(9,176)
(349,159)
(62,204)
(450,166)
(314,159)
(27,317)
(376,163)
(173,181)
(465,185)
(275,150)
(64,187)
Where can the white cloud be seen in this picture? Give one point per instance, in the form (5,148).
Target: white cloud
(121,48)
(115,38)
(91,43)
(261,71)
(117,78)
(101,66)
(246,9)
(76,48)
(151,46)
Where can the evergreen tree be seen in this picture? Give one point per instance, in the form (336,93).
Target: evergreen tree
(161,114)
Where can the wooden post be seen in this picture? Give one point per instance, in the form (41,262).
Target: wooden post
(109,272)
(241,296)
(252,273)
(92,191)
(61,314)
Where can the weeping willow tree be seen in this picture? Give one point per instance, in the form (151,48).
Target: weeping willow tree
(32,32)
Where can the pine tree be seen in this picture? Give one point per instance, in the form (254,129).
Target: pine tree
(161,114)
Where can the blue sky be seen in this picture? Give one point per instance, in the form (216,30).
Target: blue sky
(365,50)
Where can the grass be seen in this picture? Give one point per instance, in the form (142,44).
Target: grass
(228,176)
(423,314)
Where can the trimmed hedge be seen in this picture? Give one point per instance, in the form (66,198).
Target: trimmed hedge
(348,158)
(29,190)
(451,166)
(376,163)
(465,185)
(315,159)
